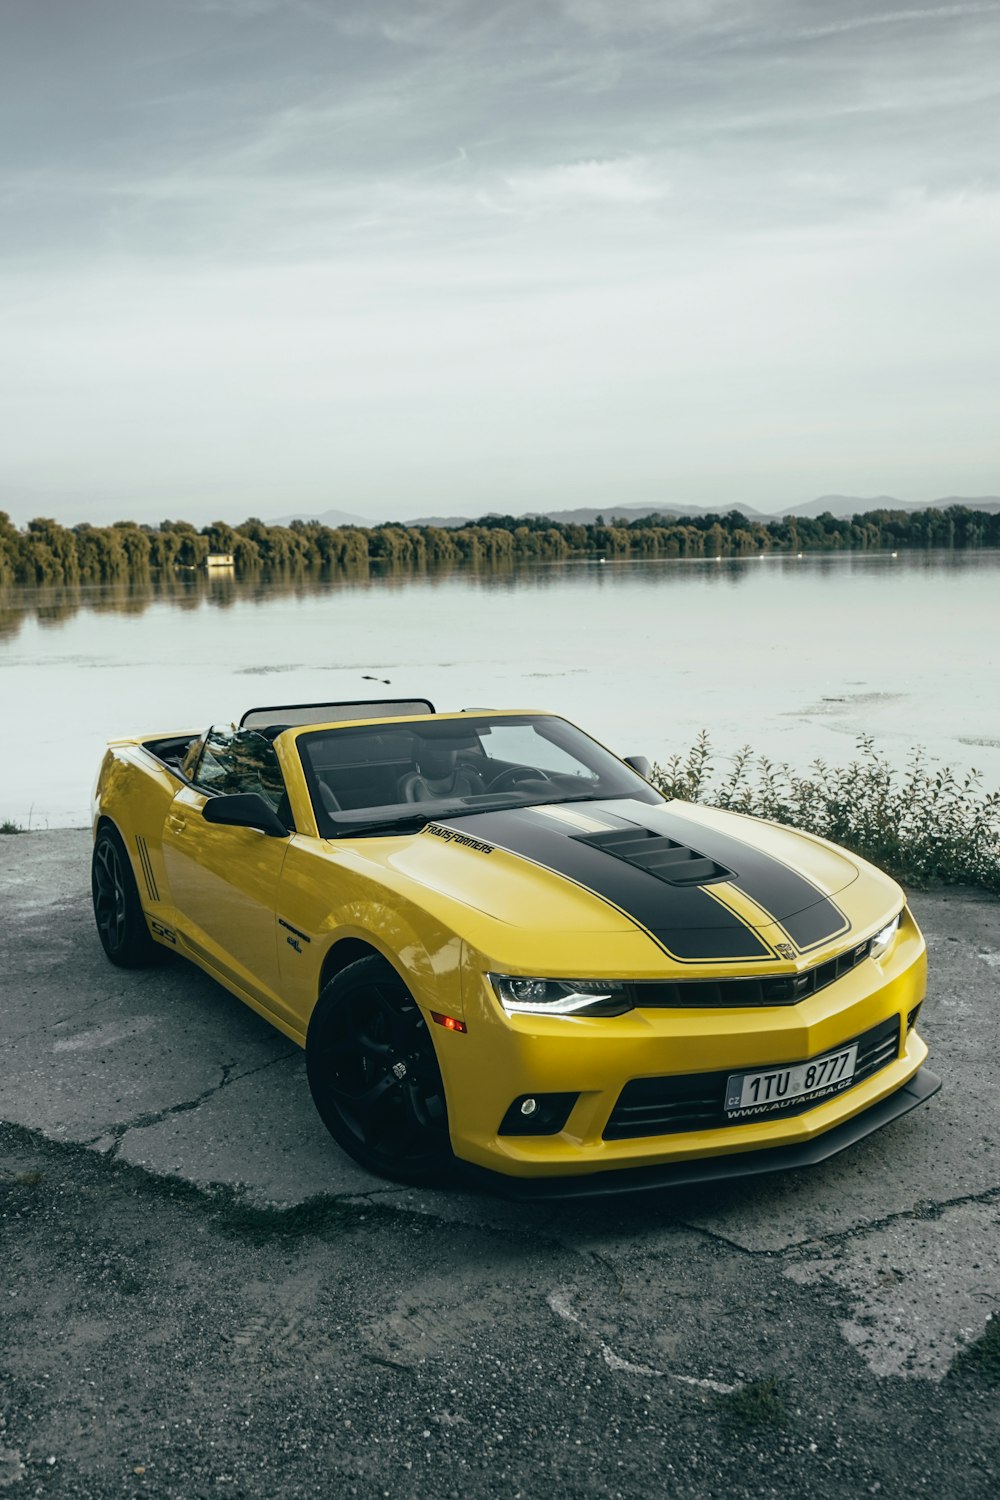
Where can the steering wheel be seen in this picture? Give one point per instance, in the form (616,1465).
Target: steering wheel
(513,774)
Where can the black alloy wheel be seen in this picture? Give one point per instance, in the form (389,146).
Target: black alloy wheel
(121,922)
(374,1075)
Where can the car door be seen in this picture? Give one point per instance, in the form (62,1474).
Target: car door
(223,880)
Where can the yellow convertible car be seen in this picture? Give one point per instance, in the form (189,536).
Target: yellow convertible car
(500,947)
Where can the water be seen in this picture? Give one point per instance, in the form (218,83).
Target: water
(796,657)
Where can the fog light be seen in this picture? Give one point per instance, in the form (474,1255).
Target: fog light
(537,1114)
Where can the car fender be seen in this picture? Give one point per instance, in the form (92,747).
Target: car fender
(133,792)
(425,953)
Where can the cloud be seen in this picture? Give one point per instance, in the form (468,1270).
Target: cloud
(313,249)
(623,182)
(605,17)
(898,18)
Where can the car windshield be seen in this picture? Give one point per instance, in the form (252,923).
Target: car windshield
(394,777)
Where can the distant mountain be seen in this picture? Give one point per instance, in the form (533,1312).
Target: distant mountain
(443,521)
(990,503)
(847,505)
(838,505)
(328,518)
(851,505)
(587,515)
(841,506)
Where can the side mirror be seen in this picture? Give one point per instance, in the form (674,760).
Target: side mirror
(641,764)
(245,810)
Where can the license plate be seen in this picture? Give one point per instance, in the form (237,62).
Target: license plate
(769,1090)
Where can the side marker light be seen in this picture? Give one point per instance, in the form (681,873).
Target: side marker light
(448,1022)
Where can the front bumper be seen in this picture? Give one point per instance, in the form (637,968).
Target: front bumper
(500,1059)
(921,1087)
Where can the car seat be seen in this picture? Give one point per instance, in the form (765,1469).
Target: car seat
(438,774)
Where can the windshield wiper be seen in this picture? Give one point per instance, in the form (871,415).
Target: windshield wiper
(597,797)
(405,823)
(543,802)
(410,824)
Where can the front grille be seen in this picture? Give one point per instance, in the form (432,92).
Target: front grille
(695,1101)
(723,994)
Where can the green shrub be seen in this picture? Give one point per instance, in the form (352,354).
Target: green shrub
(981,1359)
(756,1405)
(8,827)
(924,825)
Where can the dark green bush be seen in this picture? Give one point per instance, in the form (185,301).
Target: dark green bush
(982,1358)
(756,1405)
(925,825)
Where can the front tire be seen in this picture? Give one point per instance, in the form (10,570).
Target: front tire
(374,1076)
(121,922)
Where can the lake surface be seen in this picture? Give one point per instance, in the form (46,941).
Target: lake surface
(795,656)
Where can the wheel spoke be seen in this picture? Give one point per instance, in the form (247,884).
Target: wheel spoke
(119,895)
(424,1110)
(365,1100)
(393,1015)
(110,898)
(372,1112)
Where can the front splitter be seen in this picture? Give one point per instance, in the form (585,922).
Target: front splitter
(921,1087)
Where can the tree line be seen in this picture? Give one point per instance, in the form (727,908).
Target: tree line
(47,552)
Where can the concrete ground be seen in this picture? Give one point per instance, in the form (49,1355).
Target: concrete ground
(200,1295)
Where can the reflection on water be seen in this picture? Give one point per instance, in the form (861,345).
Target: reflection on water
(193,589)
(796,656)
(51,604)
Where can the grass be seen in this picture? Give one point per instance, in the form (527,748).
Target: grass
(754,1406)
(314,1218)
(924,825)
(224,1210)
(982,1359)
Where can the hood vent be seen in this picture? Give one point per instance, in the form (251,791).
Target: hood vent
(676,864)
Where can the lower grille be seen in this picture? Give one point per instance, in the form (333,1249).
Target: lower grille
(695,1101)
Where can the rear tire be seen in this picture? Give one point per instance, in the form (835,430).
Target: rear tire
(121,922)
(374,1076)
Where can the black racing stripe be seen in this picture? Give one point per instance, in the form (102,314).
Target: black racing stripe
(147,867)
(806,913)
(685,921)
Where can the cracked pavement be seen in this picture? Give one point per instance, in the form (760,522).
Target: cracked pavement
(202,1295)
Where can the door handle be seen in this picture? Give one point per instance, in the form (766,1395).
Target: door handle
(176,823)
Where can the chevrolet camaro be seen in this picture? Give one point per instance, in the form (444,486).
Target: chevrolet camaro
(503,950)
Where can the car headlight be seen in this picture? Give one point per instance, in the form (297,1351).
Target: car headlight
(883,940)
(560,997)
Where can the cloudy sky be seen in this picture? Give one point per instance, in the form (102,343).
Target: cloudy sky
(408,256)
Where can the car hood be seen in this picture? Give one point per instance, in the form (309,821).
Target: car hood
(705,884)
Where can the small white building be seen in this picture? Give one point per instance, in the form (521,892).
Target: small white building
(220,560)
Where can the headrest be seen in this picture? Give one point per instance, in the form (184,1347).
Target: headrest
(435,761)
